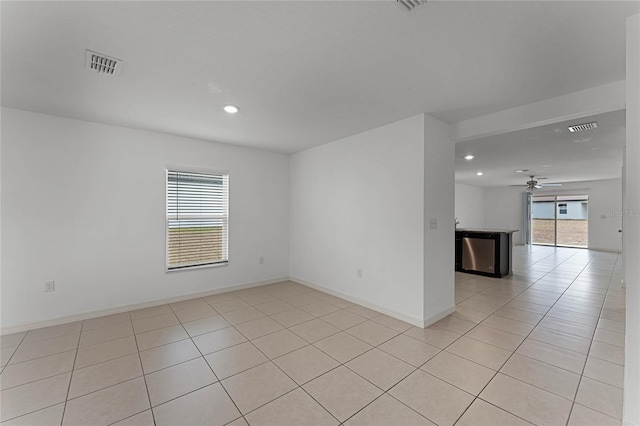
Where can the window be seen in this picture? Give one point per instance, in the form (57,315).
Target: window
(562,208)
(197,219)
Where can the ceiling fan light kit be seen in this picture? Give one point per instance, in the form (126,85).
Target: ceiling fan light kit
(532,184)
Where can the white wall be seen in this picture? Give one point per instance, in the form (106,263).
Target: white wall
(439,204)
(469,206)
(84,204)
(605,199)
(503,209)
(358,203)
(631,414)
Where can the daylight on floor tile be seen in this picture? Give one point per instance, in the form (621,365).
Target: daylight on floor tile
(536,342)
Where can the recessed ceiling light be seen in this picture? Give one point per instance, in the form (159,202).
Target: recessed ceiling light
(522,170)
(468,157)
(231,109)
(479,173)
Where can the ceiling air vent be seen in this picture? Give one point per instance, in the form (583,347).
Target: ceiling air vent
(102,64)
(411,4)
(581,127)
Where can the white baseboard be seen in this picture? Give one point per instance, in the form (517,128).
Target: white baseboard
(604,249)
(438,316)
(133,306)
(418,322)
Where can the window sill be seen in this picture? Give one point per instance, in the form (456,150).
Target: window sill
(191,268)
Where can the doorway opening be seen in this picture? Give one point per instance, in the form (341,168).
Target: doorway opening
(560,220)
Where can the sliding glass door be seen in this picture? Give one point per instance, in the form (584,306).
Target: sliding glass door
(543,220)
(559,220)
(572,222)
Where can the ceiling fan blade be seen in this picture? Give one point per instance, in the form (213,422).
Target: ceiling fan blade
(533,183)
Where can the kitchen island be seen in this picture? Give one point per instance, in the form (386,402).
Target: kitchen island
(485,252)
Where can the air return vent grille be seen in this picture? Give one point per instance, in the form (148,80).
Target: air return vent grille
(581,127)
(102,64)
(411,4)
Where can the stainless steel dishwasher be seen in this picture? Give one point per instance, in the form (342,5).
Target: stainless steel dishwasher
(479,254)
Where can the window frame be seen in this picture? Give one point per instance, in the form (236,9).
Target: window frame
(199,170)
(562,208)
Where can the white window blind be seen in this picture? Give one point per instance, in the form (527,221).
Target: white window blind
(197,219)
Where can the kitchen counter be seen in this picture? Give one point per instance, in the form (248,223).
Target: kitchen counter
(491,231)
(484,251)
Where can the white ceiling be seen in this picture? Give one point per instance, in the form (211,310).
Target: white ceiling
(548,151)
(303,73)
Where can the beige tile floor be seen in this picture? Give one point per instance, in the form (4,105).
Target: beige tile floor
(542,347)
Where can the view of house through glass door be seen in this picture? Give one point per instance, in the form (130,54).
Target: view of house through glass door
(559,220)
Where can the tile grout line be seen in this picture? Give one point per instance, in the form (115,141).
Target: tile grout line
(40,357)
(75,358)
(15,350)
(298,386)
(590,340)
(39,409)
(512,353)
(144,376)
(42,378)
(587,358)
(386,392)
(375,346)
(139,353)
(343,364)
(213,372)
(313,345)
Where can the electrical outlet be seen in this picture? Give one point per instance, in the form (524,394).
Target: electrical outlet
(261,260)
(50,286)
(359,272)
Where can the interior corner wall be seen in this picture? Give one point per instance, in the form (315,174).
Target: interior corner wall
(631,412)
(84,204)
(439,220)
(357,204)
(605,202)
(503,210)
(469,209)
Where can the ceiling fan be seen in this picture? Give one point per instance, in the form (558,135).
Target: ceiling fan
(532,184)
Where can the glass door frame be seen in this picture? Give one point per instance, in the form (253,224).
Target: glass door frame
(555,218)
(530,201)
